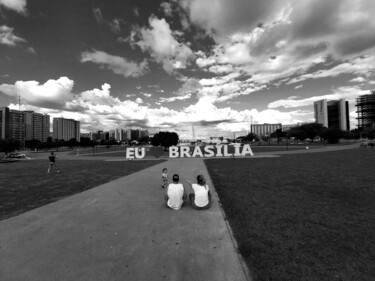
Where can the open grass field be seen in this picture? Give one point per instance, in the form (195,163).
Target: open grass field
(304,216)
(25,185)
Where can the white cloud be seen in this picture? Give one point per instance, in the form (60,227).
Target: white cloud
(167,8)
(348,93)
(53,93)
(115,25)
(358,79)
(8,38)
(98,109)
(298,87)
(359,66)
(172,99)
(163,47)
(98,15)
(16,5)
(139,100)
(272,40)
(117,64)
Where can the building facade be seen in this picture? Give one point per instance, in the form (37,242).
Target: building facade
(264,129)
(321,112)
(37,126)
(66,129)
(12,125)
(332,114)
(366,110)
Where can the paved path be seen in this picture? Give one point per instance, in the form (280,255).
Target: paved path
(121,231)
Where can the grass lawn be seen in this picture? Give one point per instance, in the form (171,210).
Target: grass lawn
(25,185)
(302,217)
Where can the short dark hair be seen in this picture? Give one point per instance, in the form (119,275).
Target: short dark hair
(176,177)
(201,180)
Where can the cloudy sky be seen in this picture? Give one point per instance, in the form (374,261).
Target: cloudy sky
(168,65)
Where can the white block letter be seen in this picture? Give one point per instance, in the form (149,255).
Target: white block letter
(173,152)
(197,151)
(247,149)
(185,151)
(130,153)
(140,152)
(209,151)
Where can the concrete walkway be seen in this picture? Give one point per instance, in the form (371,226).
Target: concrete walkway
(122,231)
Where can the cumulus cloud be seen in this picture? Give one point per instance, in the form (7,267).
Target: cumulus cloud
(274,40)
(97,109)
(7,36)
(17,5)
(358,79)
(53,93)
(162,45)
(117,64)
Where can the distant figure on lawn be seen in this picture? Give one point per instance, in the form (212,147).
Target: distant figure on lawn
(175,194)
(201,198)
(164,178)
(52,162)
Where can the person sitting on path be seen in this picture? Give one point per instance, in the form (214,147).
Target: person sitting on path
(201,198)
(175,194)
(52,162)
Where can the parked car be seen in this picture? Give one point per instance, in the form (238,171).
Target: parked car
(15,155)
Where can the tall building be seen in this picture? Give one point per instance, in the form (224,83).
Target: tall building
(66,129)
(321,112)
(332,114)
(264,129)
(366,110)
(37,126)
(12,125)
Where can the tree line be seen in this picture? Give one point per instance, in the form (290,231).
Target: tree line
(312,131)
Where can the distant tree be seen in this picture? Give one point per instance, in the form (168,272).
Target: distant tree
(72,143)
(9,145)
(33,144)
(332,135)
(297,133)
(144,140)
(279,134)
(251,137)
(165,139)
(368,133)
(312,130)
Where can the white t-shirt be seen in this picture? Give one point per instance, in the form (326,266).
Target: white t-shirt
(175,193)
(201,194)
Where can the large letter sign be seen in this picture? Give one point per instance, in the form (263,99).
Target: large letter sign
(196,151)
(138,153)
(209,151)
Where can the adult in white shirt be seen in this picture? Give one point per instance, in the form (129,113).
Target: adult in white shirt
(175,194)
(201,198)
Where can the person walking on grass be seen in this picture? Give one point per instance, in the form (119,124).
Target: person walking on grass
(201,198)
(164,178)
(175,194)
(52,162)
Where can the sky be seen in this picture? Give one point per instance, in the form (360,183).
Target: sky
(217,65)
